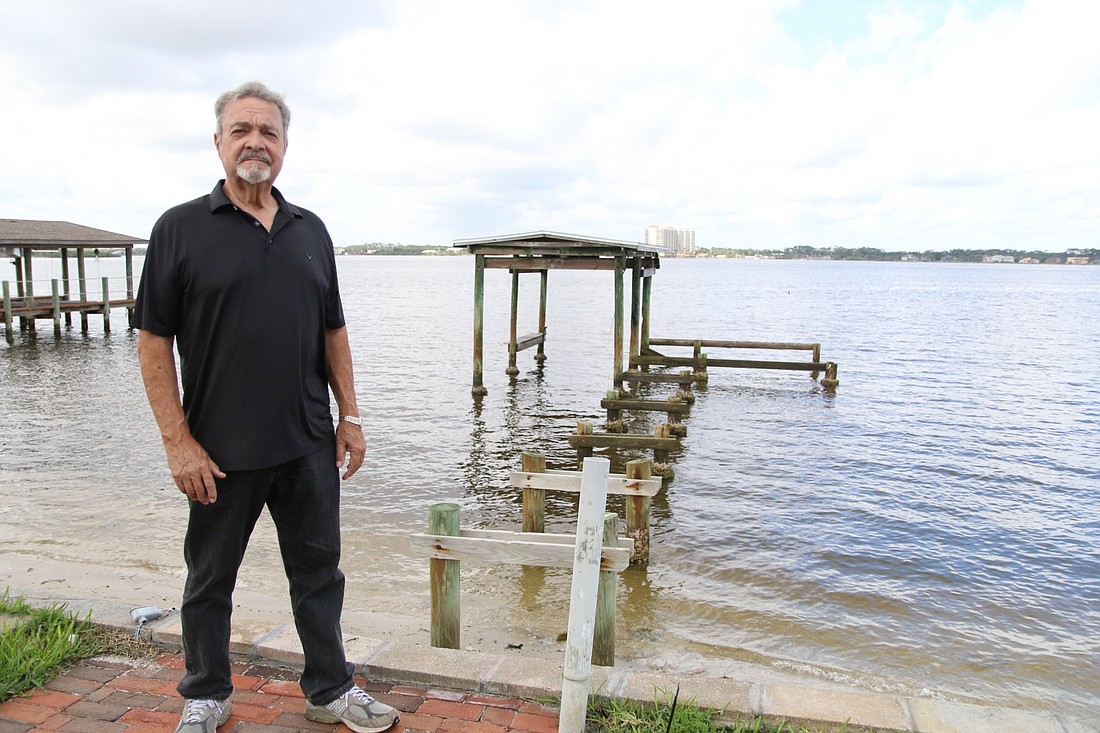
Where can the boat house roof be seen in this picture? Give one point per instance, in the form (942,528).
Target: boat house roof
(555,244)
(52,235)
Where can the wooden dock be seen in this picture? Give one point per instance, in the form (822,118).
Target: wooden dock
(20,239)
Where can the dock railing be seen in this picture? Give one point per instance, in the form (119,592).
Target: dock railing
(59,305)
(700,361)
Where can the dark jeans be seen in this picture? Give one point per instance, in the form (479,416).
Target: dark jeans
(303,498)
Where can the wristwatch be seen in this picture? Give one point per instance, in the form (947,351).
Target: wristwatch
(353,419)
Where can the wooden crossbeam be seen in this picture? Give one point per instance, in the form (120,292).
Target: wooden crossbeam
(710,343)
(521,548)
(806,366)
(623,441)
(617,484)
(680,408)
(658,378)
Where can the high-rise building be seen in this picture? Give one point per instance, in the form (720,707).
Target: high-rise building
(679,242)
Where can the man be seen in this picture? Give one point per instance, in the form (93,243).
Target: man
(245,285)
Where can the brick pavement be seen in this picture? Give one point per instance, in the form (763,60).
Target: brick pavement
(109,695)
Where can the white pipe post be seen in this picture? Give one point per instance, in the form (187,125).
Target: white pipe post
(582,596)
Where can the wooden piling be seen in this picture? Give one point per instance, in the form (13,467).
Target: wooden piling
(443,519)
(55,303)
(664,430)
(540,355)
(82,286)
(637,512)
(635,307)
(830,382)
(618,329)
(583,428)
(512,369)
(9,333)
(534,500)
(603,632)
(106,306)
(478,388)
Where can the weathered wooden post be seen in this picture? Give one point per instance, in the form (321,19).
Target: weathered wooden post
(83,288)
(816,359)
(616,373)
(540,355)
(830,381)
(512,369)
(603,637)
(443,519)
(9,332)
(615,422)
(636,509)
(635,306)
(583,428)
(662,430)
(106,306)
(534,500)
(479,326)
(701,369)
(66,287)
(582,595)
(647,289)
(55,301)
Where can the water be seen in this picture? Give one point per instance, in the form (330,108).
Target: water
(933,528)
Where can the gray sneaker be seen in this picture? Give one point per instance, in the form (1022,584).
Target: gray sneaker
(202,716)
(355,709)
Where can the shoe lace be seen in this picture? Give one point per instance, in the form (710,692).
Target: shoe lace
(195,709)
(356,694)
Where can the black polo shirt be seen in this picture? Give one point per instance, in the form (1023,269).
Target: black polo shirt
(248,310)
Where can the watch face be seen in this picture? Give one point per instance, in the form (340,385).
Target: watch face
(351,419)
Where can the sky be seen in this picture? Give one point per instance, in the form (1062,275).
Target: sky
(908,125)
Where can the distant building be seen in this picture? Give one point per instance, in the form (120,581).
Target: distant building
(998,258)
(1029,260)
(679,242)
(1053,260)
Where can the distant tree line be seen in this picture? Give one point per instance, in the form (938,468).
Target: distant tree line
(805,252)
(380,248)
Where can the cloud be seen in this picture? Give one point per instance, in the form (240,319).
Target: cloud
(911,125)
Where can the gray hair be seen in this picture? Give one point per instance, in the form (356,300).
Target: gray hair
(257,90)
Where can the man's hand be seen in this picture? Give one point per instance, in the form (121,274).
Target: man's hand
(193,470)
(350,440)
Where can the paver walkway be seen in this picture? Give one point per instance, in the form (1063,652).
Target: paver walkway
(107,695)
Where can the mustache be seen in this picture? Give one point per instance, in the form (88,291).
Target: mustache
(254,155)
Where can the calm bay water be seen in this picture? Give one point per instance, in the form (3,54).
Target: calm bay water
(932,528)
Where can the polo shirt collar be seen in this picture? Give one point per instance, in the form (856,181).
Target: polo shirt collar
(218,199)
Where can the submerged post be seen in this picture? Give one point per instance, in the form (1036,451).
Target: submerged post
(582,603)
(540,355)
(446,601)
(9,333)
(513,349)
(106,306)
(479,324)
(82,285)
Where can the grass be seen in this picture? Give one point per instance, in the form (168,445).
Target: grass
(38,643)
(669,714)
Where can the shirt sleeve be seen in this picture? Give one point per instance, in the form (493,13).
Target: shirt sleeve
(157,307)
